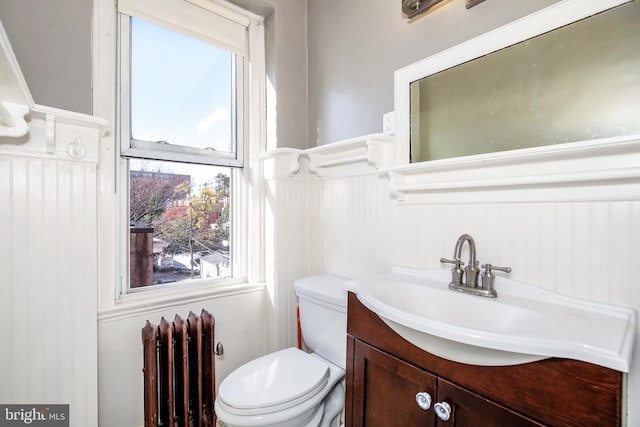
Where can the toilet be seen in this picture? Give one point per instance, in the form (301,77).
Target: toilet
(293,388)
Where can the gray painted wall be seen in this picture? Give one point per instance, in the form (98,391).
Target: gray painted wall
(286,50)
(355,46)
(52,41)
(286,61)
(330,62)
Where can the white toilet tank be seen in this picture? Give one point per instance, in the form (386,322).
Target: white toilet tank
(323,316)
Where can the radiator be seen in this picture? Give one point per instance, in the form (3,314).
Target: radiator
(179,374)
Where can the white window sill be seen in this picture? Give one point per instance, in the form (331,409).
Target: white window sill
(137,303)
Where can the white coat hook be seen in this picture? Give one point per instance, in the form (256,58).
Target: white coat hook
(76,150)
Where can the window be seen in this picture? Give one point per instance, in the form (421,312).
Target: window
(179,221)
(182,80)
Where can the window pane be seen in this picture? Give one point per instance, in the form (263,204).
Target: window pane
(181,89)
(179,222)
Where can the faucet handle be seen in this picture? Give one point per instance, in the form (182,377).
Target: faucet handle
(458,262)
(489,267)
(488,276)
(456,271)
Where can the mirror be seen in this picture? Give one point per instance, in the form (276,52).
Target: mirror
(577,83)
(577,80)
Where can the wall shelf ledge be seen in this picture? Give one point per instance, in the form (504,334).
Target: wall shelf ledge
(374,150)
(603,169)
(281,162)
(367,153)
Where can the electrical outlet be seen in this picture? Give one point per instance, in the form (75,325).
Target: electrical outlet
(388,123)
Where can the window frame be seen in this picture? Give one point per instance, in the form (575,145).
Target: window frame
(160,150)
(245,187)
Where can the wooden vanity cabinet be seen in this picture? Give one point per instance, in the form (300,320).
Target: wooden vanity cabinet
(385,389)
(385,372)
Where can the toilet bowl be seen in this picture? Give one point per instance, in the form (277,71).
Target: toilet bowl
(285,388)
(293,388)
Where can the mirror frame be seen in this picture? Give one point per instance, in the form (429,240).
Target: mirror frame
(550,18)
(606,169)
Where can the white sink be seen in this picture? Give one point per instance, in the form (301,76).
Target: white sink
(524,324)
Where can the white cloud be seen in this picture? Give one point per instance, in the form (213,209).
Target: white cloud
(218,115)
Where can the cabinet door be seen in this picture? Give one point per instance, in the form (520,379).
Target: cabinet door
(471,410)
(385,389)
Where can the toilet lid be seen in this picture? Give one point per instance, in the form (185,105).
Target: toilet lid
(274,382)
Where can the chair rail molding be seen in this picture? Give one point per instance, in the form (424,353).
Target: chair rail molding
(605,169)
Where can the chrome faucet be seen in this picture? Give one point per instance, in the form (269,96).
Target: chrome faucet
(471,271)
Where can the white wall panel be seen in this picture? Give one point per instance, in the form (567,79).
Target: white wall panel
(585,249)
(288,249)
(48,292)
(239,325)
(350,234)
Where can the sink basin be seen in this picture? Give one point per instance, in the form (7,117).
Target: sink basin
(524,324)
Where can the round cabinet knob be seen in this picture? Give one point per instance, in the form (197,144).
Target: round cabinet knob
(423,399)
(443,410)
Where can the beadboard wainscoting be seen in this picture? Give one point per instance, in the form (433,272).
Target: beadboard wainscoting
(349,224)
(288,245)
(48,250)
(48,259)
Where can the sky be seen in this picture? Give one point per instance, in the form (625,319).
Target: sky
(180,88)
(180,94)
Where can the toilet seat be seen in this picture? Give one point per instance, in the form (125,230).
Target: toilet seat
(273,383)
